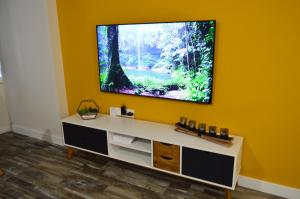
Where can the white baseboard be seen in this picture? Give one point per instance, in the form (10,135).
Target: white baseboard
(39,134)
(268,187)
(4,129)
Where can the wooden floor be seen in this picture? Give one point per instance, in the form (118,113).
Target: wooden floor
(37,169)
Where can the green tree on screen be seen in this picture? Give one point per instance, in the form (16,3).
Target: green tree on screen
(116,78)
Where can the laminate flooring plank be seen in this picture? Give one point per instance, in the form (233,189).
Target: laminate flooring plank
(36,169)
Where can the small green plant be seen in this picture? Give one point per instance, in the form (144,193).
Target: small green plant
(87,111)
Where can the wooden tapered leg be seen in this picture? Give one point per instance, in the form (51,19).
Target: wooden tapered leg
(1,172)
(227,193)
(70,153)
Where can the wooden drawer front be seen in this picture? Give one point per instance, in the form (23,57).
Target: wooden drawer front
(208,166)
(166,156)
(166,149)
(85,138)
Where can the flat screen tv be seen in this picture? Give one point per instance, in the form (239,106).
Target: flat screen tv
(171,60)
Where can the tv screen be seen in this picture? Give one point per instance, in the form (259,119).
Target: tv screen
(164,60)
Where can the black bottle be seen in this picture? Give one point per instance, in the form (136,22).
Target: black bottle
(123,110)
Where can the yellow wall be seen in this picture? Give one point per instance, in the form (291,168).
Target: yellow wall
(256,78)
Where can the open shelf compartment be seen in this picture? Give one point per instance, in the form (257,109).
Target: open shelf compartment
(130,155)
(138,144)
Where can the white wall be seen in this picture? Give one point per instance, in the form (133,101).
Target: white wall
(57,57)
(33,73)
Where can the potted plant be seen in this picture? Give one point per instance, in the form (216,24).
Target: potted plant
(88,109)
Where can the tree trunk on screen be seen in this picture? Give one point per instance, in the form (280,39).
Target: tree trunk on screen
(116,78)
(187,47)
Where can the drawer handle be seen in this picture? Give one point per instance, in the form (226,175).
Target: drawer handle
(167,144)
(165,157)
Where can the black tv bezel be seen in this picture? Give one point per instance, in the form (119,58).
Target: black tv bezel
(163,98)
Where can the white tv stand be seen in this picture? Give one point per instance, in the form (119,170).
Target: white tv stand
(179,154)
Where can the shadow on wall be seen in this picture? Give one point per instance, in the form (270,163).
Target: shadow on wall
(47,136)
(255,166)
(4,116)
(54,136)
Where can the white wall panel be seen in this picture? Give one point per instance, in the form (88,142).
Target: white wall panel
(34,84)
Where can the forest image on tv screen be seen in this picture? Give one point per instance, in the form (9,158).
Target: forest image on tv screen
(165,60)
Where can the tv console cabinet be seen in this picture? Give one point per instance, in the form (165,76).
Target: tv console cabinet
(156,146)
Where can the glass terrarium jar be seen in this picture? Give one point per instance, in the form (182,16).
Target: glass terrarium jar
(88,109)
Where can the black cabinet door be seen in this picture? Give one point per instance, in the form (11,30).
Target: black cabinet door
(85,138)
(208,166)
